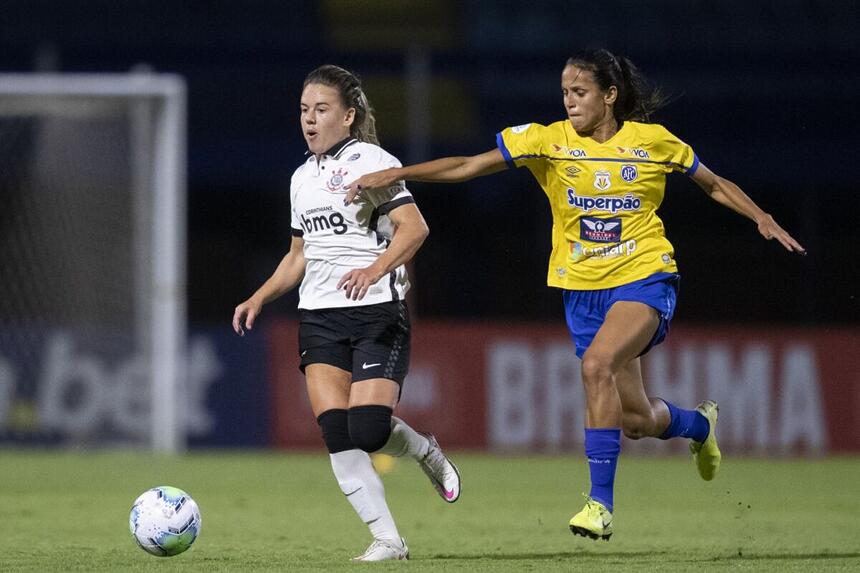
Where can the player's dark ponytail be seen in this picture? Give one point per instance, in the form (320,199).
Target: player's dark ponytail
(348,85)
(636,100)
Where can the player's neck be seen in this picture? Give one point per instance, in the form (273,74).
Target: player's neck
(602,132)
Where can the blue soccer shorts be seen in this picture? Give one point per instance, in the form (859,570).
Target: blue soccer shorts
(585,310)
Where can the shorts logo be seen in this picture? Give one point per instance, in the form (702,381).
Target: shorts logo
(600,230)
(629,173)
(666,258)
(520,128)
(601,180)
(336,182)
(354,156)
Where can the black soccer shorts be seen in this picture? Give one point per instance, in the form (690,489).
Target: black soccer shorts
(371,341)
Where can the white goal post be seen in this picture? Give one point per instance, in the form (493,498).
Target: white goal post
(151,109)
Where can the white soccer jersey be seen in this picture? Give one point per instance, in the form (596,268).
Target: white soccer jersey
(340,238)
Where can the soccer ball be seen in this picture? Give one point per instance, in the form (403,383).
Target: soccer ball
(164,521)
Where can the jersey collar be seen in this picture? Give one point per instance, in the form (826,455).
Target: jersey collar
(337,148)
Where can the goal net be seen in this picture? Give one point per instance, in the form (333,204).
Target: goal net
(92,264)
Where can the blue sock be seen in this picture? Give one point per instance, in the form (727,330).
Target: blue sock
(602,446)
(685,424)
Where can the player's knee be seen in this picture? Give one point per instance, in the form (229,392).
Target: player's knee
(596,369)
(335,430)
(369,426)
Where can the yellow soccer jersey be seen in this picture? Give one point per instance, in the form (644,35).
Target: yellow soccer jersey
(604,198)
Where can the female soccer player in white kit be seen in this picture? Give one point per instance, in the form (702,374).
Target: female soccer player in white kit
(354,332)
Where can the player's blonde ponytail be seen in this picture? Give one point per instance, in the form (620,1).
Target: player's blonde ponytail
(348,85)
(364,126)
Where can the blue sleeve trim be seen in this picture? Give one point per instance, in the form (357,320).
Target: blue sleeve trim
(500,143)
(692,170)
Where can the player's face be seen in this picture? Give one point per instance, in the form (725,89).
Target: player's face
(325,120)
(587,106)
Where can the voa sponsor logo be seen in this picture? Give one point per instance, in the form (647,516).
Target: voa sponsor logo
(312,222)
(573,152)
(636,152)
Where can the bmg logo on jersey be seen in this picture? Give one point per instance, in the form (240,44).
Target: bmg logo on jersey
(315,223)
(600,230)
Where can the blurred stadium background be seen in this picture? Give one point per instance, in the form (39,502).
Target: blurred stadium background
(765,92)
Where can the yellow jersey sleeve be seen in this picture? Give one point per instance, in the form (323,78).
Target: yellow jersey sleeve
(522,145)
(674,153)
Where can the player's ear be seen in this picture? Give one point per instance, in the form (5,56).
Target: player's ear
(349,117)
(610,96)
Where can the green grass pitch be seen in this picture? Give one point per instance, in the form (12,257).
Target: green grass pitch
(284,512)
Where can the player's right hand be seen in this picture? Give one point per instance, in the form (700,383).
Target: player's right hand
(246,313)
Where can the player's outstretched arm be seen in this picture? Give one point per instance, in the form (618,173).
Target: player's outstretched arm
(411,230)
(727,193)
(444,170)
(288,274)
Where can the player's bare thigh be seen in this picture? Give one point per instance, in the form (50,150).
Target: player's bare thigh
(374,391)
(628,328)
(330,387)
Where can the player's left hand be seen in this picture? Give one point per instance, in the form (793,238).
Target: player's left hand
(377,179)
(769,229)
(356,282)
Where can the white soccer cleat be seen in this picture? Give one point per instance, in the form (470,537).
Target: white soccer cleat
(385,550)
(442,472)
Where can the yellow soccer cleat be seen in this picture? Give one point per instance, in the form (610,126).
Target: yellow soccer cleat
(707,454)
(594,521)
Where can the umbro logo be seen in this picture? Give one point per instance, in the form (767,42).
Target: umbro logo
(365,366)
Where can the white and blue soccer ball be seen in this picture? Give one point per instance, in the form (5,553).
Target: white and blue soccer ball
(164,521)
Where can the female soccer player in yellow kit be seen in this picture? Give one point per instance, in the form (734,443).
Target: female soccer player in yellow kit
(603,170)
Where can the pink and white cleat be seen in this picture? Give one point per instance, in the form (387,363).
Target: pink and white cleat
(442,472)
